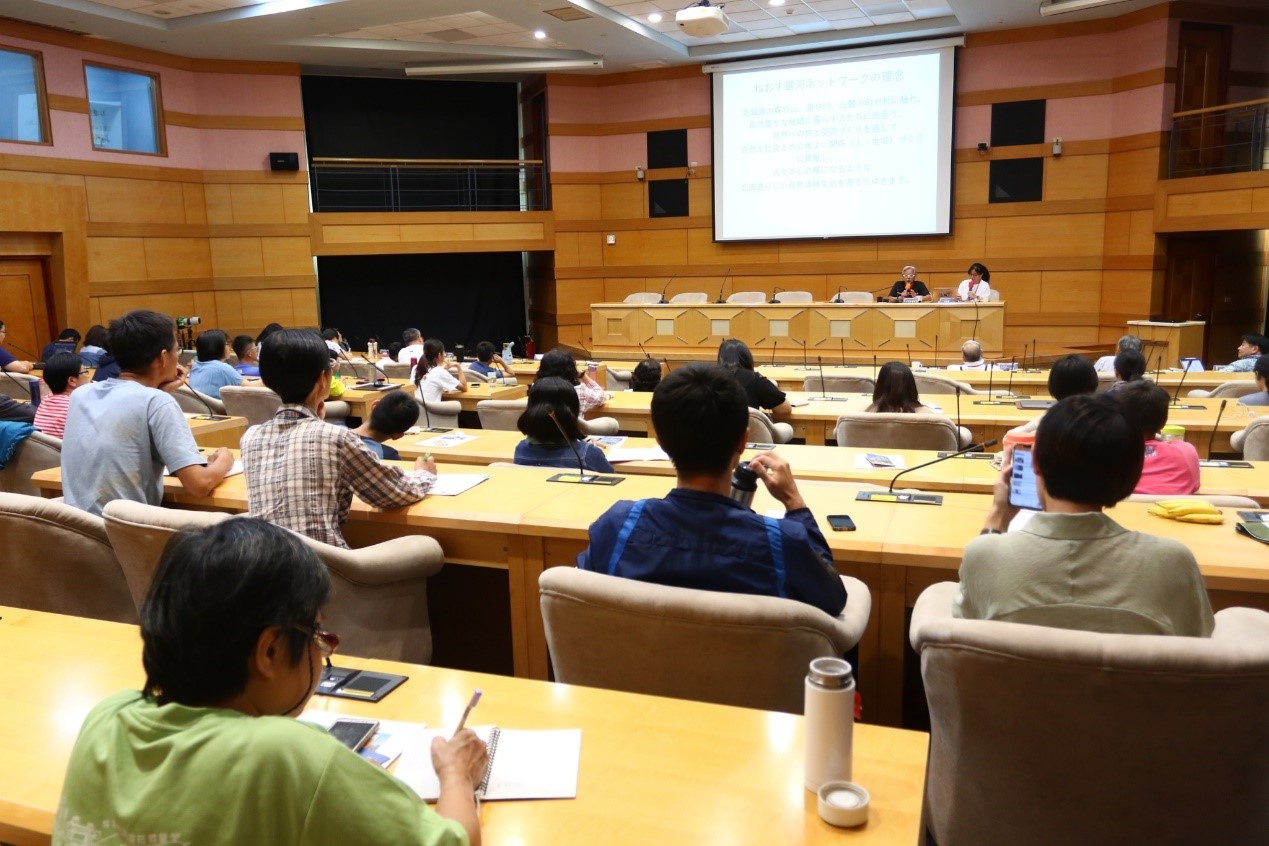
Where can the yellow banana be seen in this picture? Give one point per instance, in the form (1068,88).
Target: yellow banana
(1202,518)
(1193,508)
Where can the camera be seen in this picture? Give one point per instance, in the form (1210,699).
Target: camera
(187,322)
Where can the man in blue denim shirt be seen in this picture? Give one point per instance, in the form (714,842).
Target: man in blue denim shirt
(697,536)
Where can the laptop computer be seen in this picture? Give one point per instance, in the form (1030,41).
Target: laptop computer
(1193,365)
(943,295)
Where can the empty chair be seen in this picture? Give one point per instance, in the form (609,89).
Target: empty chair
(501,414)
(362,371)
(994,296)
(747,297)
(735,649)
(794,297)
(764,430)
(256,403)
(1227,389)
(37,451)
(643,297)
(690,298)
(1048,736)
(839,384)
(883,430)
(1253,441)
(1104,381)
(379,593)
(394,370)
(617,380)
(928,383)
(57,558)
(196,402)
(441,415)
(853,297)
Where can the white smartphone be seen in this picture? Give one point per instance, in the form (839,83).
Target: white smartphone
(1022,488)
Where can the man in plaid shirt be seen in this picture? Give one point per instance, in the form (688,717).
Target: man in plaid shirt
(301,471)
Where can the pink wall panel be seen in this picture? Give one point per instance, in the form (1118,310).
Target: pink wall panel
(700,148)
(1142,110)
(254,94)
(235,149)
(666,98)
(973,124)
(1079,118)
(1142,48)
(574,154)
(598,153)
(1078,59)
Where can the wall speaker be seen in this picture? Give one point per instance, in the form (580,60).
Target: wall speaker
(284,161)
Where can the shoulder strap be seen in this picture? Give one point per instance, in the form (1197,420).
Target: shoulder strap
(776,541)
(624,535)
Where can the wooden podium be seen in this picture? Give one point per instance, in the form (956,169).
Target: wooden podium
(1176,340)
(833,331)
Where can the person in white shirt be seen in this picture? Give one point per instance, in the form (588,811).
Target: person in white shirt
(976,287)
(434,377)
(972,356)
(1128,343)
(413,349)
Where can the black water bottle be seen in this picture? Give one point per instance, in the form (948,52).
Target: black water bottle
(744,483)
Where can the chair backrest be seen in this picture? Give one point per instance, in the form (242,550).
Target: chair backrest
(854,297)
(192,401)
(928,383)
(617,380)
(57,558)
(394,369)
(257,404)
(690,298)
(442,415)
(839,384)
(1104,380)
(761,428)
(994,296)
(18,386)
(379,593)
(735,649)
(1227,389)
(1255,440)
(747,297)
(1048,736)
(877,430)
(37,451)
(794,297)
(501,414)
(643,297)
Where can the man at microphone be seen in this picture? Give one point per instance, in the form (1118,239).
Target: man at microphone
(7,360)
(698,536)
(1071,566)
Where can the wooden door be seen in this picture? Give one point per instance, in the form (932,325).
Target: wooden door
(1202,82)
(24,307)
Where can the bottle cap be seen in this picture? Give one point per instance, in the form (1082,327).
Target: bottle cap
(830,672)
(843,803)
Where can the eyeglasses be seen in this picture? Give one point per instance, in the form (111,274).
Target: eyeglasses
(327,642)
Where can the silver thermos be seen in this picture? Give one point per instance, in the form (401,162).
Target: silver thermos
(744,484)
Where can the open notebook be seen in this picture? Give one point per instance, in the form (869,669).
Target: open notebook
(523,764)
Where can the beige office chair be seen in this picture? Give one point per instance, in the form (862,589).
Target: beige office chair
(379,600)
(57,558)
(479,379)
(1253,441)
(19,387)
(1227,389)
(504,415)
(440,415)
(362,371)
(258,404)
(839,385)
(1220,500)
(747,297)
(1104,381)
(994,296)
(1047,736)
(394,369)
(37,451)
(764,430)
(853,297)
(928,383)
(690,298)
(643,298)
(734,649)
(878,430)
(794,297)
(197,402)
(617,380)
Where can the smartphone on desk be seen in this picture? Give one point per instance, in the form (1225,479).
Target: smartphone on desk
(1022,488)
(354,733)
(841,523)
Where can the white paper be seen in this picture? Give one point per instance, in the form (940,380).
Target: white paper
(389,742)
(452,484)
(861,462)
(452,439)
(526,765)
(616,456)
(234,469)
(607,441)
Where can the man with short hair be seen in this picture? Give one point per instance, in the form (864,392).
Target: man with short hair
(698,536)
(972,356)
(1068,376)
(413,349)
(1261,371)
(301,471)
(1129,367)
(63,373)
(489,361)
(67,341)
(1252,346)
(211,372)
(121,433)
(1071,566)
(389,418)
(1106,364)
(248,359)
(1170,466)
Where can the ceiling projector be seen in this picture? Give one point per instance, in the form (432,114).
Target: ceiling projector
(701,21)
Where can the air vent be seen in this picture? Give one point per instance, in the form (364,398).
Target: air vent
(568,13)
(451,36)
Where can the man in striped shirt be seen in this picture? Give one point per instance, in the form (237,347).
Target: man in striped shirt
(63,373)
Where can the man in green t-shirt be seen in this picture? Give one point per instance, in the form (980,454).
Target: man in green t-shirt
(208,752)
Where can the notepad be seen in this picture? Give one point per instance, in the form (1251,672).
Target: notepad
(617,456)
(453,439)
(523,764)
(452,484)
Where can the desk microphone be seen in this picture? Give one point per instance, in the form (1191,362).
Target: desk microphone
(805,365)
(582,477)
(427,418)
(722,285)
(1013,365)
(990,376)
(1176,397)
(646,354)
(908,347)
(819,360)
(975,333)
(666,288)
(936,350)
(211,415)
(33,356)
(1215,425)
(374,368)
(841,342)
(973,448)
(356,373)
(1035,354)
(958,411)
(837,298)
(776,290)
(774,344)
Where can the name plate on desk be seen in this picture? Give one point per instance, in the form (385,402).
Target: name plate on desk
(909,498)
(588,479)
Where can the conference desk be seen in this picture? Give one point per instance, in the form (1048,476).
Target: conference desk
(217,433)
(651,768)
(815,421)
(360,401)
(856,330)
(971,474)
(519,522)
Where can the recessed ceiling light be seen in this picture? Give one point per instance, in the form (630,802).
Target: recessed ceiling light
(539,34)
(775,2)
(655,17)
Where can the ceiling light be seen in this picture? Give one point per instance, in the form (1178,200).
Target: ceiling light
(1061,7)
(655,17)
(539,34)
(518,66)
(775,2)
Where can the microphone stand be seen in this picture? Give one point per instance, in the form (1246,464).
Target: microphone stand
(210,415)
(991,398)
(805,364)
(918,498)
(1212,440)
(775,291)
(666,288)
(819,360)
(774,344)
(582,477)
(722,285)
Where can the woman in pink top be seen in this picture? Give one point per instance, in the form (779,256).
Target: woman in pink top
(1170,467)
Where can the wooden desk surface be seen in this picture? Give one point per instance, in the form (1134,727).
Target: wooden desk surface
(361,401)
(650,768)
(217,433)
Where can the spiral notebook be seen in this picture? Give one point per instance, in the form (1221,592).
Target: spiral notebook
(523,764)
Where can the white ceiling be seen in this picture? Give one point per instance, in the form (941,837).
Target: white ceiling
(381,37)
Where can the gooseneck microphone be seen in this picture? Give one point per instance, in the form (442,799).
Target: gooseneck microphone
(581,465)
(972,448)
(583,477)
(30,391)
(819,360)
(1013,366)
(722,285)
(666,288)
(1211,440)
(210,415)
(936,350)
(774,344)
(776,290)
(1176,397)
(379,377)
(646,354)
(908,347)
(356,372)
(837,298)
(805,365)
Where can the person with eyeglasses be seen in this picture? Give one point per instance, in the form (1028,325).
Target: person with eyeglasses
(7,360)
(63,373)
(208,751)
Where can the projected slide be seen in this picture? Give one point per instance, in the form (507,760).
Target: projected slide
(834,145)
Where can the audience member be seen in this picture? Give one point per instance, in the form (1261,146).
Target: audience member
(1129,367)
(63,373)
(1106,364)
(122,432)
(334,340)
(66,342)
(12,411)
(94,345)
(908,287)
(434,376)
(303,472)
(555,442)
(248,356)
(268,330)
(489,361)
(1071,566)
(646,376)
(1252,346)
(972,356)
(1261,371)
(760,392)
(1068,376)
(412,347)
(389,418)
(7,361)
(232,644)
(896,391)
(1170,466)
(976,287)
(560,363)
(211,372)
(698,536)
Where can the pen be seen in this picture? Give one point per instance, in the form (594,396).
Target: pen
(427,456)
(475,697)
